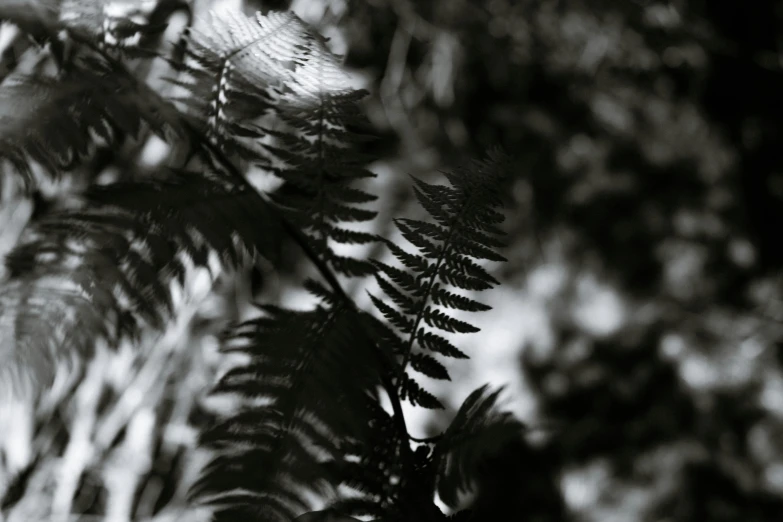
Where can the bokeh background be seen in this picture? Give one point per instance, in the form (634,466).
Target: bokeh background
(638,329)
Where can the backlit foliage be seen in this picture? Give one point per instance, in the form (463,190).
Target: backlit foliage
(123,411)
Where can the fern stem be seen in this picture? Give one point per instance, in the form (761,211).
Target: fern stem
(321,193)
(420,315)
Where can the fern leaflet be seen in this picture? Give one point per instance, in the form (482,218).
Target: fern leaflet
(313,372)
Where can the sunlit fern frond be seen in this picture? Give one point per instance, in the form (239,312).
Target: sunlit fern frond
(478,430)
(57,121)
(121,25)
(244,77)
(235,71)
(304,388)
(120,263)
(323,516)
(465,230)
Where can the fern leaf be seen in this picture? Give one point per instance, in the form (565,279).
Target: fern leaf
(427,248)
(475,250)
(237,68)
(470,268)
(323,516)
(400,277)
(373,466)
(228,77)
(350,237)
(56,122)
(406,303)
(433,199)
(393,483)
(350,266)
(421,229)
(243,73)
(204,214)
(480,237)
(416,263)
(438,319)
(385,335)
(314,372)
(393,316)
(477,430)
(318,290)
(317,159)
(450,275)
(429,366)
(439,344)
(418,396)
(441,296)
(464,228)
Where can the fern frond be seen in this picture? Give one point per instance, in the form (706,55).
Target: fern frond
(323,516)
(477,430)
(438,344)
(429,366)
(118,258)
(204,212)
(318,161)
(372,466)
(394,487)
(278,50)
(244,77)
(57,121)
(233,73)
(464,230)
(304,390)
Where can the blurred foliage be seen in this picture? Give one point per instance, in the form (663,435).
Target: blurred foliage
(648,144)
